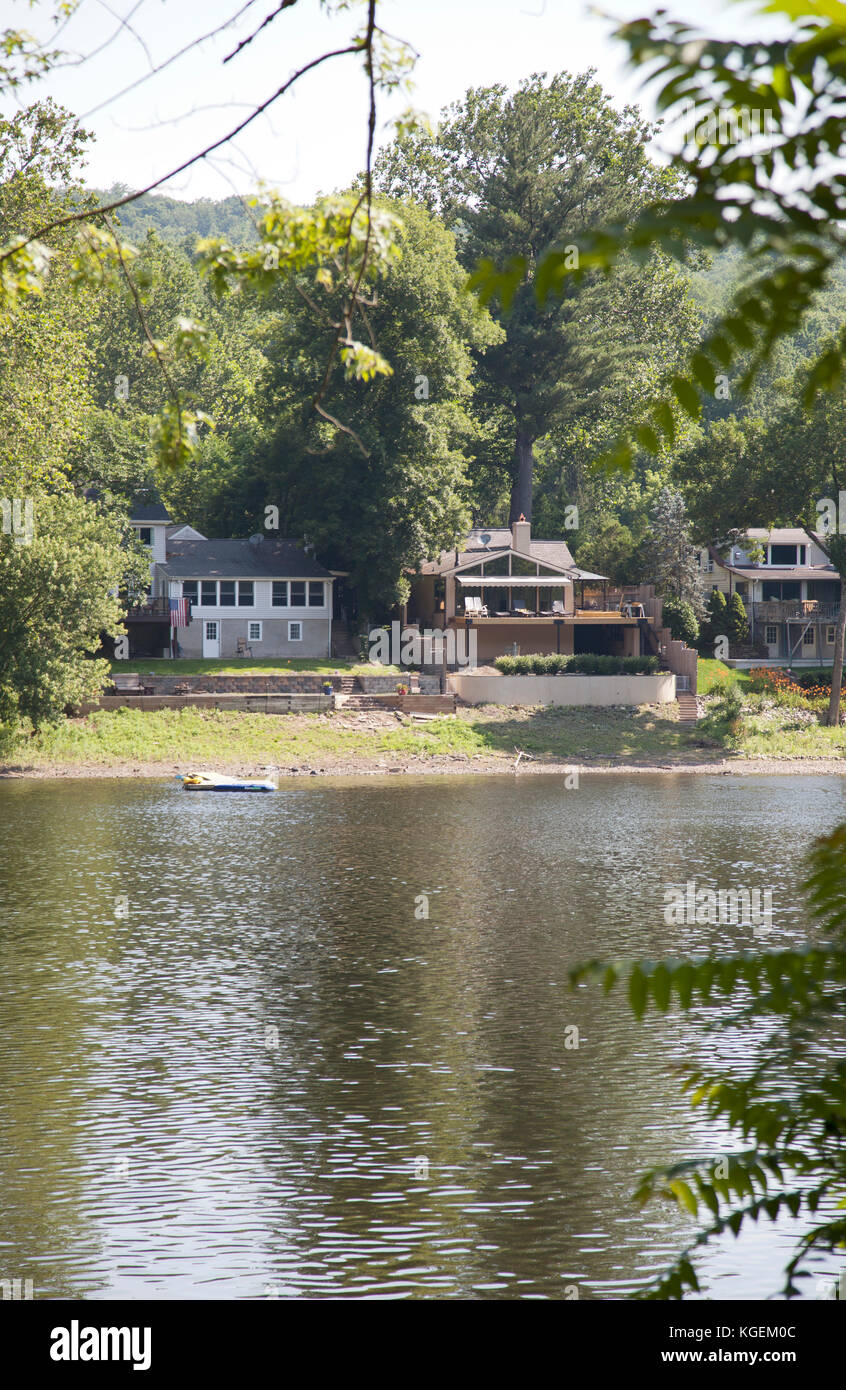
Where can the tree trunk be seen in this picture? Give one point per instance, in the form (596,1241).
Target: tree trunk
(837,668)
(521,491)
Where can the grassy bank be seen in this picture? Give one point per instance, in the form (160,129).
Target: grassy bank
(192,737)
(128,740)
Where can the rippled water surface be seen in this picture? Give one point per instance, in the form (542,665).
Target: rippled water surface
(236,1059)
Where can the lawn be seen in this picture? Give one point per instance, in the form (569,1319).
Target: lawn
(246,666)
(711,673)
(195,737)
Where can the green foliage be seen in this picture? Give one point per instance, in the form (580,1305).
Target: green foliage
(516,174)
(392,486)
(739,191)
(672,558)
(582,664)
(680,618)
(788,1110)
(58,594)
(737,624)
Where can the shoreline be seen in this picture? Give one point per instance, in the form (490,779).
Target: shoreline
(445,765)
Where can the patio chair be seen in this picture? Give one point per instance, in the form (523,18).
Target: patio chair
(519,609)
(243,649)
(558,609)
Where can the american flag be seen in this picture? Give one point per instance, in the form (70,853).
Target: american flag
(179,612)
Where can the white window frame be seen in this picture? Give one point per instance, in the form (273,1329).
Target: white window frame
(287,602)
(809,633)
(771,641)
(253,622)
(830,634)
(295,622)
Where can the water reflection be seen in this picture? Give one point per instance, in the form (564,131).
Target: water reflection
(271,1076)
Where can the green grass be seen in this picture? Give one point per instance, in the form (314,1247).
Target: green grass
(194,737)
(711,673)
(234,666)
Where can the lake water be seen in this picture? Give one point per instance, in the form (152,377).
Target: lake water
(236,1059)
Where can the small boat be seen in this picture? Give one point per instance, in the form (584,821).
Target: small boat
(213,782)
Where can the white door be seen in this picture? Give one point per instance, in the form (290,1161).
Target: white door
(211,638)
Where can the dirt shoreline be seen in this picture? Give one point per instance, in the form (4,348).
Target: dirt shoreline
(449,765)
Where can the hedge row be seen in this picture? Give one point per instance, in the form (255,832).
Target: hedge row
(583,664)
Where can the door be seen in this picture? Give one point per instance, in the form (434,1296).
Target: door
(211,638)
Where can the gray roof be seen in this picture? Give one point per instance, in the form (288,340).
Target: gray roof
(149,511)
(240,559)
(554,553)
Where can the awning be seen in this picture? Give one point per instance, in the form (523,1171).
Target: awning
(513,581)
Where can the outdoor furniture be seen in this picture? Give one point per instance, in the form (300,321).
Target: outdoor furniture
(474,608)
(128,684)
(243,649)
(558,608)
(519,609)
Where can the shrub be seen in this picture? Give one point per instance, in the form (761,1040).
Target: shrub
(582,664)
(681,620)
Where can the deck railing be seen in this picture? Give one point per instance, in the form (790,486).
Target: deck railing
(793,610)
(149,610)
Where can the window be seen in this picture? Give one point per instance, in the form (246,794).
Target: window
(771,636)
(742,589)
(295,632)
(782,554)
(315,594)
(280,593)
(808,637)
(245,593)
(829,635)
(189,589)
(209,593)
(227,593)
(783,590)
(211,632)
(253,632)
(145,534)
(298,593)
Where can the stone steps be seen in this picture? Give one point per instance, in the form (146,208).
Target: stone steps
(688,708)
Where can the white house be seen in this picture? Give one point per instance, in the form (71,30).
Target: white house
(268,595)
(789,589)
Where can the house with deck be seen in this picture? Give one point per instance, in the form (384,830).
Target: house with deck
(522,593)
(789,589)
(258,597)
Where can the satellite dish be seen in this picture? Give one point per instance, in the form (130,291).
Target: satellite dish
(485,537)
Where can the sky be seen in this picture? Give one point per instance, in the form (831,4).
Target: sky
(313,139)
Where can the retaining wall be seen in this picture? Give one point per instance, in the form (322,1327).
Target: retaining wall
(564,690)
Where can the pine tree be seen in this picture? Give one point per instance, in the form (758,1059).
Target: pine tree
(737,627)
(675,567)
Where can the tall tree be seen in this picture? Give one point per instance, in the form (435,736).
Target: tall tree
(674,562)
(391,485)
(517,174)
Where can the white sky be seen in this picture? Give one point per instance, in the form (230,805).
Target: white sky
(313,139)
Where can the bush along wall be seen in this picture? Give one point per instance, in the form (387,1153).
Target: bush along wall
(583,664)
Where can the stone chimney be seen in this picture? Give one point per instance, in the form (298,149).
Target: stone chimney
(521,536)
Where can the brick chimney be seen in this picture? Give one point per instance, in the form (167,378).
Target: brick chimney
(521,536)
